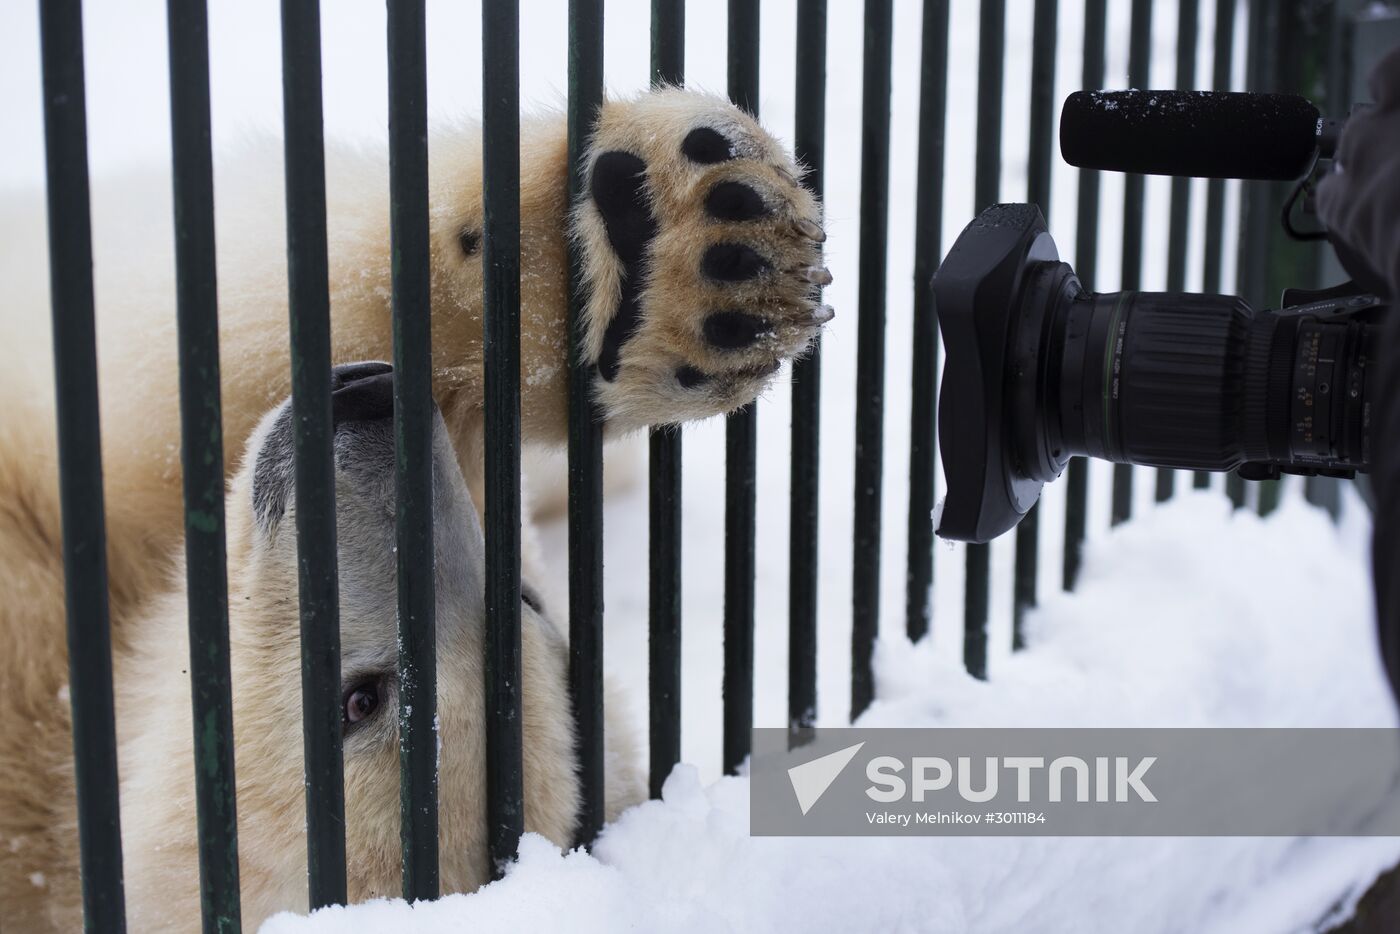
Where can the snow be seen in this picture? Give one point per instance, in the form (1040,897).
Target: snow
(1188,616)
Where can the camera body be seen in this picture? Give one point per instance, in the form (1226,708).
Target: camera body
(1039,369)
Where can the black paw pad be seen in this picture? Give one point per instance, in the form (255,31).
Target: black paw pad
(703,144)
(689,377)
(618,188)
(732,262)
(734,201)
(731,330)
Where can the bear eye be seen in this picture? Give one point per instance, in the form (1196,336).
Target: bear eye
(530,598)
(360,703)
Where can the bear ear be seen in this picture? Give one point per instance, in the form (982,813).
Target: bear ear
(270,449)
(458,543)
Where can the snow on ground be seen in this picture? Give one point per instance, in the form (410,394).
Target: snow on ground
(1190,616)
(1187,616)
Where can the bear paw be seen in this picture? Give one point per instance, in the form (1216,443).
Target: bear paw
(700,258)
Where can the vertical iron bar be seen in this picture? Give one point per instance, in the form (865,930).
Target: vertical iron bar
(1076,508)
(1270,493)
(975,614)
(1222,53)
(664,487)
(741,455)
(1252,268)
(1221,60)
(991,50)
(585,443)
(928,248)
(664,645)
(1325,493)
(413,438)
(1042,141)
(870,347)
(1234,489)
(809,140)
(313,437)
(1086,256)
(1282,56)
(1042,131)
(1139,55)
(1023,588)
(80,467)
(202,464)
(500,347)
(667,43)
(1188,15)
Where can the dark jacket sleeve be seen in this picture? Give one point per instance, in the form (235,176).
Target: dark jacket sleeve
(1359,200)
(1360,203)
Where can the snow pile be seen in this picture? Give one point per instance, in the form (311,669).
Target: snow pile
(1190,616)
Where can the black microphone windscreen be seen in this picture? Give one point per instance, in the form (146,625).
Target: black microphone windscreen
(1207,134)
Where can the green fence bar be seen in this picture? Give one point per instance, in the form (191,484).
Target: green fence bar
(664,488)
(313,442)
(585,442)
(1213,262)
(1187,18)
(975,612)
(1268,261)
(1234,489)
(500,130)
(991,53)
(664,607)
(202,464)
(1086,262)
(413,441)
(1270,493)
(928,249)
(1038,189)
(740,462)
(870,348)
(1222,53)
(1139,56)
(80,466)
(809,143)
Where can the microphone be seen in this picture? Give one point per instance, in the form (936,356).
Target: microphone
(1208,134)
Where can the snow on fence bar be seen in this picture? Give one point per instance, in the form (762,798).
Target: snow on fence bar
(202,454)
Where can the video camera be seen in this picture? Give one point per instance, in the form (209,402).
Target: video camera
(1039,369)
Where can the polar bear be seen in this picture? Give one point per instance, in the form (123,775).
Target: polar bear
(157,763)
(701,266)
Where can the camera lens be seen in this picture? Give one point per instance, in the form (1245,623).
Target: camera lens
(1182,380)
(1039,370)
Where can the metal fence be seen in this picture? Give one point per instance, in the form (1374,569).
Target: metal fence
(80,461)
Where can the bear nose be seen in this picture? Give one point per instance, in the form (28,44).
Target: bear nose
(364,392)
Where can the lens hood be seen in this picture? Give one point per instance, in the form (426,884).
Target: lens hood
(977,297)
